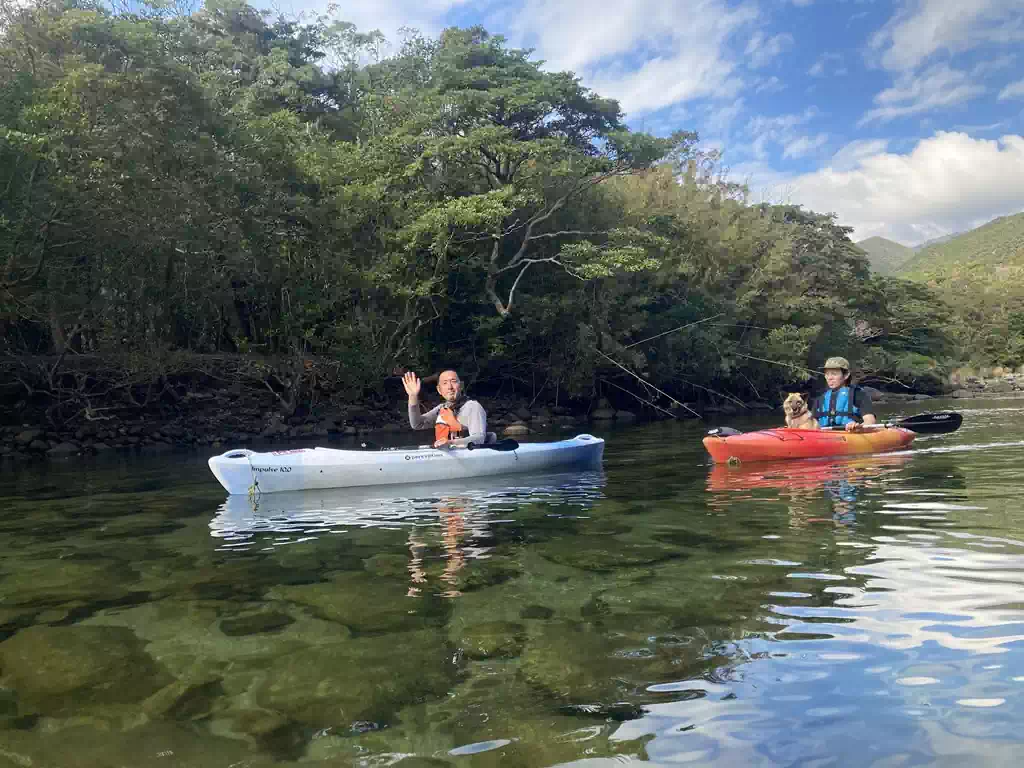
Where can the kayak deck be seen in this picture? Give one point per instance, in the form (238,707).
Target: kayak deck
(241,471)
(785,443)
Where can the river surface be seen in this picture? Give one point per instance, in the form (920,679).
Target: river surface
(863,612)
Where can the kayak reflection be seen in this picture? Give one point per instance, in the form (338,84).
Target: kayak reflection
(804,485)
(314,513)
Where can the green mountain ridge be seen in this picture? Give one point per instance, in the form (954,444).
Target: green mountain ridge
(979,276)
(936,241)
(990,248)
(885,256)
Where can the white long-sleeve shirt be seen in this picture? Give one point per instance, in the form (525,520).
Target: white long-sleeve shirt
(471,415)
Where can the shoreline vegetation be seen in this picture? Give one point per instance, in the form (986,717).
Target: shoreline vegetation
(223,226)
(181,411)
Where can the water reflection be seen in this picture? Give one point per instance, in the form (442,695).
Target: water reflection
(830,490)
(281,518)
(669,614)
(453,523)
(451,528)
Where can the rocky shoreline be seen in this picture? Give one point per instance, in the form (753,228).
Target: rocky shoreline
(212,420)
(223,419)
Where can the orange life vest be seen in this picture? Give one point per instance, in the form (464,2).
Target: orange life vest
(449,427)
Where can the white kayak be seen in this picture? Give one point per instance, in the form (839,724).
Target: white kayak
(244,471)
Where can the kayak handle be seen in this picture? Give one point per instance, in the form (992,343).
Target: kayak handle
(237,453)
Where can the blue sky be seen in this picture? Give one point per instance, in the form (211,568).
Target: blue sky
(904,117)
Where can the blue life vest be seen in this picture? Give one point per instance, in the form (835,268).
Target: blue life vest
(837,407)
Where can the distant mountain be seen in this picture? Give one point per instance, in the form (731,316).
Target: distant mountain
(936,241)
(886,256)
(990,249)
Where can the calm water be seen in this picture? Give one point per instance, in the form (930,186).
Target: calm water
(868,612)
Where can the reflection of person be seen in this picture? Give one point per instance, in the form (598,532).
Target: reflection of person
(843,404)
(457,421)
(454,531)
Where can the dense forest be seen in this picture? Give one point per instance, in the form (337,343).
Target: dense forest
(227,195)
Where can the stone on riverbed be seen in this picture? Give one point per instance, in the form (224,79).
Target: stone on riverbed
(358,600)
(255,623)
(55,670)
(153,744)
(317,686)
(490,639)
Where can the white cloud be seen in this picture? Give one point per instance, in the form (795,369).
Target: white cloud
(818,69)
(766,184)
(778,129)
(769,85)
(761,124)
(805,145)
(988,128)
(761,50)
(922,28)
(947,183)
(683,46)
(1012,91)
(719,120)
(993,65)
(850,156)
(938,86)
(389,16)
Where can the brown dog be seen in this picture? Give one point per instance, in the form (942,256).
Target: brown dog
(797,414)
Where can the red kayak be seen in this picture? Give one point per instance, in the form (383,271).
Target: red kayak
(772,444)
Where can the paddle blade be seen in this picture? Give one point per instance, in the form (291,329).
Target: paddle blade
(932,423)
(508,444)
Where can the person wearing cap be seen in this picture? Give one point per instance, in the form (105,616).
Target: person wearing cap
(843,404)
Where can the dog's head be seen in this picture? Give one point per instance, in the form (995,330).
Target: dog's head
(794,405)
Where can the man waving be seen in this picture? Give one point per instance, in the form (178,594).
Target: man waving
(457,421)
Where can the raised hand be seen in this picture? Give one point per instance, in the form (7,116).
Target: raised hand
(412,385)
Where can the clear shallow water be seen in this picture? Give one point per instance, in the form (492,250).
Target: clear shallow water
(861,612)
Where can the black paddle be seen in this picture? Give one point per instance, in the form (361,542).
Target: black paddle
(508,444)
(930,423)
(923,424)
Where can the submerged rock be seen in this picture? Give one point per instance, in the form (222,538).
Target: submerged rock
(55,670)
(39,584)
(190,698)
(363,680)
(156,744)
(600,553)
(491,639)
(357,600)
(385,565)
(255,623)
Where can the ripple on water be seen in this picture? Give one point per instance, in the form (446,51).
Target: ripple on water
(859,612)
